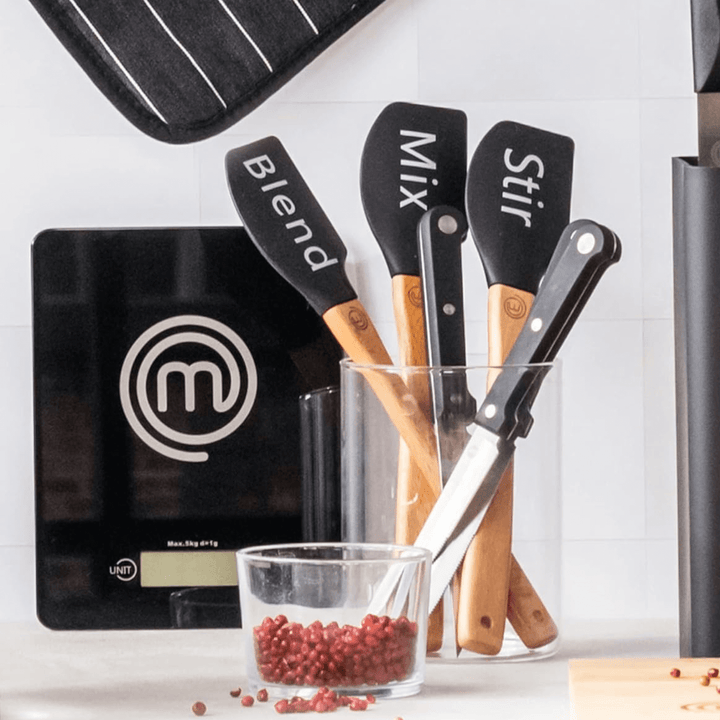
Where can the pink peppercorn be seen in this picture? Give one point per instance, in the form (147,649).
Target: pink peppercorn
(281,706)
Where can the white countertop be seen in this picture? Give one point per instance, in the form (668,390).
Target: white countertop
(160,674)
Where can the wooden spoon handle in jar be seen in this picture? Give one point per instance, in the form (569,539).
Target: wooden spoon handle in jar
(352,327)
(411,512)
(490,574)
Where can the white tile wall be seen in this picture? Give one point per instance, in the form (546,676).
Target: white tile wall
(614,74)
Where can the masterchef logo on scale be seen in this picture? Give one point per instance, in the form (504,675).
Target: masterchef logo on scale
(162,373)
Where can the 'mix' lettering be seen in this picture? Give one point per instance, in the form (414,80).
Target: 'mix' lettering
(415,159)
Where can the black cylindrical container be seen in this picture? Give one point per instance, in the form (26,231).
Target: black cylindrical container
(696,249)
(320,464)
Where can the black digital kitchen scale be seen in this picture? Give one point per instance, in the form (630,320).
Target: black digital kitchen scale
(168,366)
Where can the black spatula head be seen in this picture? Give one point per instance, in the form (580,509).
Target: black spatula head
(518,201)
(415,158)
(287,224)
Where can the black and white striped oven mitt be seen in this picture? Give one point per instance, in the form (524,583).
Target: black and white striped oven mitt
(184,70)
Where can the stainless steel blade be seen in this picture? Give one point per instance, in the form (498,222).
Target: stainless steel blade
(469,491)
(453,435)
(455,517)
(466,479)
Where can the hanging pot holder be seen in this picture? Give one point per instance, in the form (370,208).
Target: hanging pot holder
(184,70)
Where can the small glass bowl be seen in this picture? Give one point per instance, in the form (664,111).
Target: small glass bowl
(306,624)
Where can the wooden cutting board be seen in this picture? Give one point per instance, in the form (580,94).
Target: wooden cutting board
(621,689)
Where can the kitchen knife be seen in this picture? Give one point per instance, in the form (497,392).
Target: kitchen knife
(584,252)
(705,20)
(441,232)
(290,229)
(518,203)
(415,157)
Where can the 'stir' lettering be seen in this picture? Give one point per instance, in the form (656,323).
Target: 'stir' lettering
(520,208)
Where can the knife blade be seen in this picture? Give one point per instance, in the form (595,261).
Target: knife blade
(584,252)
(705,23)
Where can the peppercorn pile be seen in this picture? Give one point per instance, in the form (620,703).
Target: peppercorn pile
(380,651)
(324,700)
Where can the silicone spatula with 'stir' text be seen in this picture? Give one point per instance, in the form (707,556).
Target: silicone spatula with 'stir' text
(518,204)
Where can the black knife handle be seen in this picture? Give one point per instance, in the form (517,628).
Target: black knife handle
(441,232)
(584,252)
(705,20)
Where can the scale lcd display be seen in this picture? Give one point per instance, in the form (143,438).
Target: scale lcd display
(188,568)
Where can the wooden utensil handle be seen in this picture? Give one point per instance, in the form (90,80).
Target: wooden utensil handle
(351,325)
(485,578)
(410,325)
(526,611)
(410,512)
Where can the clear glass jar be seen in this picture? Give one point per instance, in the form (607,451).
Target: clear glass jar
(306,622)
(506,614)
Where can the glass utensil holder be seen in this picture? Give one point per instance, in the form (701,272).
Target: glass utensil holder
(502,615)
